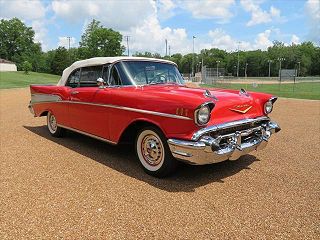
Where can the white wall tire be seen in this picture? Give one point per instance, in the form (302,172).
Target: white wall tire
(153,152)
(53,127)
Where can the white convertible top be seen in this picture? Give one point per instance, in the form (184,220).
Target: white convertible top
(100,61)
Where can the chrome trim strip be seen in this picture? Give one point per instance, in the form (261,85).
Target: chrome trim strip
(88,134)
(56,99)
(42,97)
(132,110)
(214,128)
(45,102)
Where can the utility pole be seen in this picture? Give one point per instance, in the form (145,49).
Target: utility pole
(166,41)
(238,60)
(127,39)
(280,60)
(298,69)
(269,61)
(193,37)
(217,68)
(169,51)
(69,39)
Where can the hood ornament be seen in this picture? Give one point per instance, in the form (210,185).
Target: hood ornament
(208,94)
(243,92)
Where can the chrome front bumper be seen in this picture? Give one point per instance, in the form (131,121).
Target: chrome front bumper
(212,148)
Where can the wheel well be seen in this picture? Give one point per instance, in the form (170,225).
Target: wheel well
(130,133)
(45,113)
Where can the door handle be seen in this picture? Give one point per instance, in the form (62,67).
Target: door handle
(74,92)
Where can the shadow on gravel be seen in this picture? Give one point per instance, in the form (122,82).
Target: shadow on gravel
(122,159)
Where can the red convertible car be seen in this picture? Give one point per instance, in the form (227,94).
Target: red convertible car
(145,101)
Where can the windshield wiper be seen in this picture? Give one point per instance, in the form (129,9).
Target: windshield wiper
(156,83)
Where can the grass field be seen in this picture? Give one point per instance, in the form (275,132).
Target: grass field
(21,80)
(288,90)
(299,90)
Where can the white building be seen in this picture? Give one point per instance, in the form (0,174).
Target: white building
(7,66)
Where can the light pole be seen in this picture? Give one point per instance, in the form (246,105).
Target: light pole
(269,61)
(166,41)
(280,60)
(217,68)
(193,37)
(245,70)
(127,39)
(238,60)
(298,69)
(69,39)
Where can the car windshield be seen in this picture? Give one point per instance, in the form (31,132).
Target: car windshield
(148,73)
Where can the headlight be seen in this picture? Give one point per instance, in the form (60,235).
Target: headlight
(268,107)
(203,115)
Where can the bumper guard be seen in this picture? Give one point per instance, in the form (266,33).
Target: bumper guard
(230,146)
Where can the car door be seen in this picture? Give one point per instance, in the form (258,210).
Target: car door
(85,112)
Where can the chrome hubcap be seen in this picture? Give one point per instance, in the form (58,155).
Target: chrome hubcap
(152,150)
(53,123)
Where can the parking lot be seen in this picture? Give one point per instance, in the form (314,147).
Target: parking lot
(80,188)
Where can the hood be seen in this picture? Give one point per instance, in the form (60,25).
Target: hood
(229,106)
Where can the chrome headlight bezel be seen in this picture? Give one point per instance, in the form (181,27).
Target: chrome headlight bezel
(203,113)
(268,106)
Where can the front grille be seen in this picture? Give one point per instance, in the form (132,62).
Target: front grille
(231,130)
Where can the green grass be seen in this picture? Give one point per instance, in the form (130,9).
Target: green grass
(288,90)
(299,90)
(21,80)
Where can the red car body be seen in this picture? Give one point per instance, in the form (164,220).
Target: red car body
(108,113)
(159,98)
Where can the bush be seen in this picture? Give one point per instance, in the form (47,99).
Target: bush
(26,67)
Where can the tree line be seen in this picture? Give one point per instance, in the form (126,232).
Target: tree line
(17,44)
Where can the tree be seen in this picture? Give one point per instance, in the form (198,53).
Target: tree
(17,42)
(60,60)
(98,41)
(26,67)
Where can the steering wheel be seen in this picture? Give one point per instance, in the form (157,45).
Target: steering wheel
(160,78)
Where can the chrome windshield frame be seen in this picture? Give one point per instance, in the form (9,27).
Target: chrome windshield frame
(180,83)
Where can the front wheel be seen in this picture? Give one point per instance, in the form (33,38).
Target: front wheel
(53,127)
(153,152)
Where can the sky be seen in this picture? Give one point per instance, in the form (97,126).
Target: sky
(223,24)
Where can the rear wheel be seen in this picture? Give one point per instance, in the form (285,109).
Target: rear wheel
(153,152)
(53,127)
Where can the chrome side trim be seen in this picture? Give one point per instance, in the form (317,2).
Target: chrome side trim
(132,110)
(50,98)
(45,102)
(88,134)
(40,98)
(217,127)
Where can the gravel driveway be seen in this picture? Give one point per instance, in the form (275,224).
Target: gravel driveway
(79,188)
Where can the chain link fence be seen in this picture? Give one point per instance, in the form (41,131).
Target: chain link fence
(288,86)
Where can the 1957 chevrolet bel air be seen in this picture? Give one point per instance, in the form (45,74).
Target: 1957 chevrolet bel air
(145,101)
